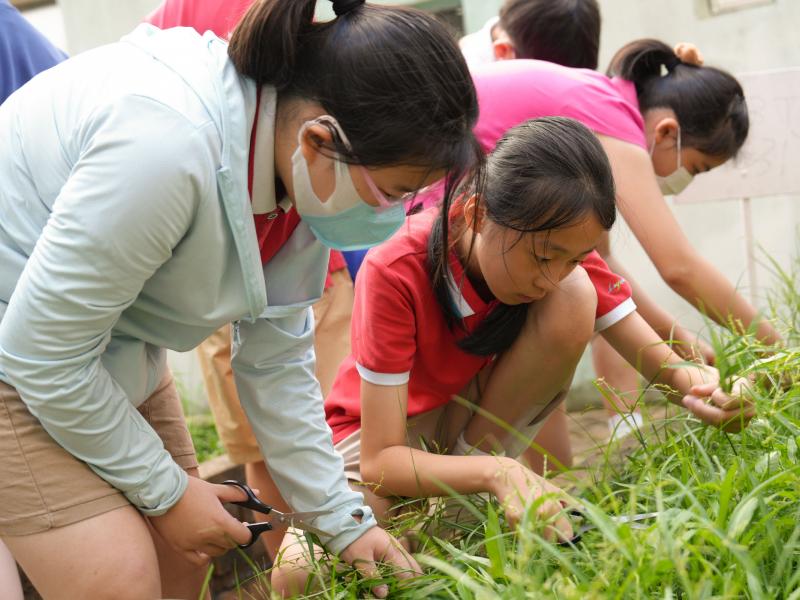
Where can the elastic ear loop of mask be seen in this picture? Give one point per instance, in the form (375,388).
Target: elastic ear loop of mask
(383,201)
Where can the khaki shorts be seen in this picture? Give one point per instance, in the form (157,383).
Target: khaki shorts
(331,344)
(45,487)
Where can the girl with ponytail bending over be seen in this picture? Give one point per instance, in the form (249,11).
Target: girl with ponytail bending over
(156,189)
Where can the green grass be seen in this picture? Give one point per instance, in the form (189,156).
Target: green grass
(730,509)
(204,435)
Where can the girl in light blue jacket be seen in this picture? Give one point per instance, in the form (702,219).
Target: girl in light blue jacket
(153,190)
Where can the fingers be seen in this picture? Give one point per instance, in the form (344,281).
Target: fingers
(229,493)
(369,570)
(703,390)
(729,420)
(406,565)
(198,559)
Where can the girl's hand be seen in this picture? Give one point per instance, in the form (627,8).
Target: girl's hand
(378,546)
(713,406)
(515,486)
(198,526)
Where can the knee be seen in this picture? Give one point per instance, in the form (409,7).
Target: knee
(567,318)
(132,579)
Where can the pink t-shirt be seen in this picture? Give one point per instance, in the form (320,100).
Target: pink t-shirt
(513,91)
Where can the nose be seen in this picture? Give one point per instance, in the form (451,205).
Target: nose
(557,273)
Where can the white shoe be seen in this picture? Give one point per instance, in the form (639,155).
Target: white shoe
(622,425)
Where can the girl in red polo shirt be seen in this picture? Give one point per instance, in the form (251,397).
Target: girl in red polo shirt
(493,306)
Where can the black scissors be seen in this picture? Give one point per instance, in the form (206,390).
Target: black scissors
(300,520)
(589,526)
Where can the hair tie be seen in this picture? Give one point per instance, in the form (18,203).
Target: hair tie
(342,7)
(671,62)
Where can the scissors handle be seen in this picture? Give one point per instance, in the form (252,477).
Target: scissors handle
(577,533)
(252,502)
(256,529)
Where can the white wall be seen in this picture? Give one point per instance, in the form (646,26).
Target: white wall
(91,23)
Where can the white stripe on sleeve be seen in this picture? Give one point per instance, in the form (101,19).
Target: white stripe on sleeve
(383,378)
(615,315)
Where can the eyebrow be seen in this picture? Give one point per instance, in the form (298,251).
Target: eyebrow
(557,248)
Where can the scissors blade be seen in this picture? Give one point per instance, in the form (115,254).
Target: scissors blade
(635,518)
(620,520)
(300,520)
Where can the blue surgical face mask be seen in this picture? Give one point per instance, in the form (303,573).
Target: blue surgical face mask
(344,221)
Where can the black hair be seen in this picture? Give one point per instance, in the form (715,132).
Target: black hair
(544,174)
(708,103)
(393,78)
(566,32)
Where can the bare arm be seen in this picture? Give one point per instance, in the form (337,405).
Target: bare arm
(394,468)
(636,341)
(684,342)
(652,222)
(397,469)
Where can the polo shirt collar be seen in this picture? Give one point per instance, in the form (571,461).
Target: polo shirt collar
(263,200)
(465,298)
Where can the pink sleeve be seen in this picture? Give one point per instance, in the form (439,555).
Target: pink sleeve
(614,295)
(219,16)
(383,329)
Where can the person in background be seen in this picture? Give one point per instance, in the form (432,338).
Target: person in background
(156,189)
(566,32)
(331,312)
(24,52)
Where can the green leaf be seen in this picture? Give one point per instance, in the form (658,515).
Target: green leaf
(741,517)
(495,544)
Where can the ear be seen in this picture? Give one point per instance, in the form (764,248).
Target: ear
(503,50)
(666,128)
(474,214)
(313,139)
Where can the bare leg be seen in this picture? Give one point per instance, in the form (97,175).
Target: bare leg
(527,379)
(554,438)
(179,578)
(9,576)
(108,556)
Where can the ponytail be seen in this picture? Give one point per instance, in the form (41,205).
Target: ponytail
(708,103)
(264,46)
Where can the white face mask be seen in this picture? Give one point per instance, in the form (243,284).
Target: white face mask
(344,221)
(679,179)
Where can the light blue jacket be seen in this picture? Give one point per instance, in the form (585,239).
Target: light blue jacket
(126,228)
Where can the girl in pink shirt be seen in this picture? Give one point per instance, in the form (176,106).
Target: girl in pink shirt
(662,118)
